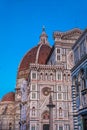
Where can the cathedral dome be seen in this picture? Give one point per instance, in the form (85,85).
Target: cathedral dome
(9,97)
(38,54)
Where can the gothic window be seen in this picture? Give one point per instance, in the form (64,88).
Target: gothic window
(33,75)
(59,96)
(60,127)
(58,57)
(32,127)
(68,77)
(46,76)
(33,87)
(58,54)
(33,111)
(59,75)
(51,76)
(41,76)
(33,95)
(60,112)
(64,76)
(59,88)
(58,50)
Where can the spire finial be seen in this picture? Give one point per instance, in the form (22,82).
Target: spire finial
(43,28)
(43,36)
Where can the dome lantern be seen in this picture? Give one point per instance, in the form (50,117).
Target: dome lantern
(43,37)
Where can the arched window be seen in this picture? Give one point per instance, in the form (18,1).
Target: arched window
(51,76)
(64,76)
(59,75)
(41,76)
(32,127)
(68,77)
(10,126)
(46,76)
(60,111)
(33,111)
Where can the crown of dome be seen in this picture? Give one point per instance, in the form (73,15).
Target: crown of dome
(38,54)
(9,97)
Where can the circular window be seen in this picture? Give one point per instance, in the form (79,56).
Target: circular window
(46,91)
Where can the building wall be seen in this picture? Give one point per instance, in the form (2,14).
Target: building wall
(56,77)
(79,81)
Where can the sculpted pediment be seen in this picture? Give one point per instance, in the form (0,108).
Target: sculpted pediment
(72,35)
(68,35)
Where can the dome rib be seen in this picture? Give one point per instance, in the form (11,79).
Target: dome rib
(44,53)
(38,53)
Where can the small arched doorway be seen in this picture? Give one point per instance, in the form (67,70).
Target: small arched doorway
(46,127)
(45,117)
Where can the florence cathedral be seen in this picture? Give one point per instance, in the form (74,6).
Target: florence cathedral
(44,71)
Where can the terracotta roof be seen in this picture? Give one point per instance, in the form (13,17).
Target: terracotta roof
(9,97)
(38,54)
(30,57)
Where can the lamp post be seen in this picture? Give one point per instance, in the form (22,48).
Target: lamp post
(50,106)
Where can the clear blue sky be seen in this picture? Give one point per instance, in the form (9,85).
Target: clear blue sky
(21,24)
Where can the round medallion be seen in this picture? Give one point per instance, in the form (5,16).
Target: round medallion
(46,91)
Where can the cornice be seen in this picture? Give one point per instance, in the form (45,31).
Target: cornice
(46,67)
(69,33)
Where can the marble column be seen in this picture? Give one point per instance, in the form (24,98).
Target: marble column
(50,106)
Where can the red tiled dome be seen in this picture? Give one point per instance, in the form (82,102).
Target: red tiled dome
(9,97)
(38,54)
(28,58)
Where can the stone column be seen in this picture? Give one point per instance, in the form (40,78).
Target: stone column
(50,106)
(75,114)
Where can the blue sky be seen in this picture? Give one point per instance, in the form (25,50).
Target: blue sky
(21,24)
